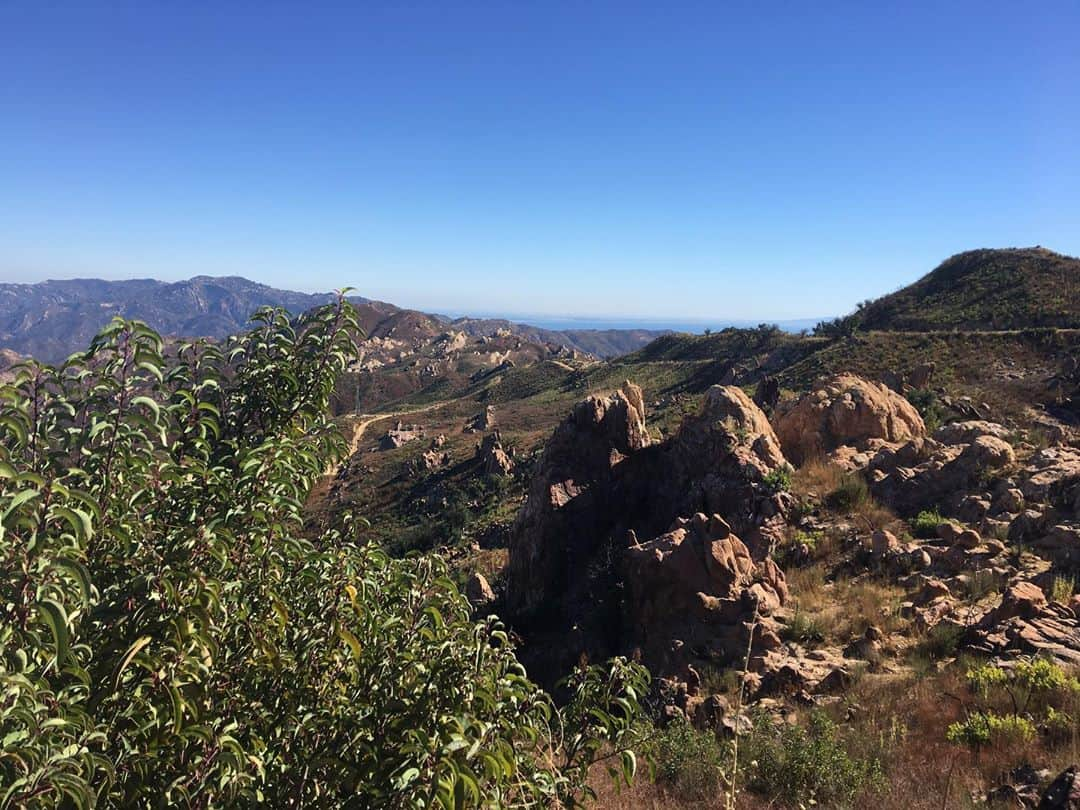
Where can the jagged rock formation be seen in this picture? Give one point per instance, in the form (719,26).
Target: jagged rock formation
(845,410)
(482,422)
(493,459)
(694,592)
(601,485)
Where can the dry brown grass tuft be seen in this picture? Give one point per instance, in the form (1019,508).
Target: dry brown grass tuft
(816,478)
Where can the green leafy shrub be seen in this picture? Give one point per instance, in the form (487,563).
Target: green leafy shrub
(691,764)
(778,480)
(929,406)
(924,525)
(809,764)
(986,728)
(170,638)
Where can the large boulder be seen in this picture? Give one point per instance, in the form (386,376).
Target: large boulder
(845,410)
(693,594)
(567,514)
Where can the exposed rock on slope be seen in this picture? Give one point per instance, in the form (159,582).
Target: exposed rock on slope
(845,410)
(692,593)
(601,485)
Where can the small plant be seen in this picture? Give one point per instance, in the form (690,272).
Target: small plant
(924,525)
(1062,589)
(940,642)
(851,494)
(805,629)
(779,480)
(930,408)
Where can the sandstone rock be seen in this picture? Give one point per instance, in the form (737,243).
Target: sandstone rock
(1053,476)
(492,458)
(478,591)
(1010,500)
(482,422)
(946,474)
(698,583)
(400,435)
(921,375)
(601,485)
(845,410)
(967,432)
(882,542)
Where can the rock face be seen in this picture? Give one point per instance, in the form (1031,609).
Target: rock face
(568,514)
(600,486)
(692,592)
(845,410)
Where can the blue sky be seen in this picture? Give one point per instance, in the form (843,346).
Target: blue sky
(713,160)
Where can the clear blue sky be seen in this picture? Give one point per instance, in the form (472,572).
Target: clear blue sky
(712,160)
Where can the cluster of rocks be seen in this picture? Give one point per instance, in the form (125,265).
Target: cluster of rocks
(400,435)
(627,544)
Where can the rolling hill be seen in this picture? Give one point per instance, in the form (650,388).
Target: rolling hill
(983,290)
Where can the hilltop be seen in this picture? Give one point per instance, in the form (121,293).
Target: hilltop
(1014,288)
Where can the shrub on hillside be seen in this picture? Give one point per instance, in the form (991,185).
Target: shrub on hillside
(169,637)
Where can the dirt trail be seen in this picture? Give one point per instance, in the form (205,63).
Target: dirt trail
(358,423)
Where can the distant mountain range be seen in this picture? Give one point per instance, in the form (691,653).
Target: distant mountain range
(52,319)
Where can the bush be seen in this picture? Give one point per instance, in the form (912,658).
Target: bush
(940,642)
(804,764)
(779,480)
(692,764)
(930,408)
(804,629)
(169,637)
(924,525)
(850,495)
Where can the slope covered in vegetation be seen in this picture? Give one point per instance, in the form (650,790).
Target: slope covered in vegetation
(1017,288)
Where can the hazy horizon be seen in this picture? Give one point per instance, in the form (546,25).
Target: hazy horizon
(696,163)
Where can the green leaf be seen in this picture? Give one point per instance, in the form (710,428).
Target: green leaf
(132,651)
(54,615)
(79,573)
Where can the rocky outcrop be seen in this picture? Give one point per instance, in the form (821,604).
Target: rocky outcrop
(1063,793)
(692,594)
(845,410)
(400,435)
(482,422)
(568,514)
(923,473)
(1025,623)
(492,458)
(601,481)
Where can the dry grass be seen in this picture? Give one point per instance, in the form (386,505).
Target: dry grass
(816,478)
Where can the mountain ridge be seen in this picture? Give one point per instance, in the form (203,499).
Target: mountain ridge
(51,319)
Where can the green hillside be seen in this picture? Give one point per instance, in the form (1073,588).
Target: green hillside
(1015,288)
